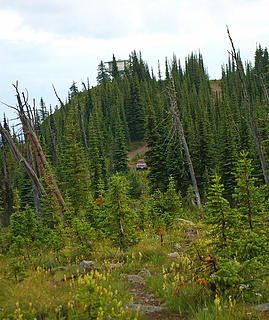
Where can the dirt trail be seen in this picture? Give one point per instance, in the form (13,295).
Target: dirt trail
(141,150)
(146,299)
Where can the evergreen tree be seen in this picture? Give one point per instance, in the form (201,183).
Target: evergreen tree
(219,215)
(120,149)
(96,161)
(249,198)
(120,222)
(115,72)
(155,155)
(102,76)
(74,173)
(73,90)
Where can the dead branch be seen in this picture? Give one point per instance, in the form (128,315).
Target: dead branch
(264,91)
(22,161)
(251,120)
(176,123)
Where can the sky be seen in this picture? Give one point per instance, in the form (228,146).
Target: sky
(45,42)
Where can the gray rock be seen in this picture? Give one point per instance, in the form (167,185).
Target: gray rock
(144,308)
(261,307)
(188,222)
(144,272)
(173,255)
(136,279)
(60,268)
(87,266)
(113,265)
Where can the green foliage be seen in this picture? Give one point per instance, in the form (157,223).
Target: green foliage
(220,217)
(57,238)
(74,172)
(165,208)
(24,224)
(1,208)
(120,221)
(249,198)
(227,275)
(83,233)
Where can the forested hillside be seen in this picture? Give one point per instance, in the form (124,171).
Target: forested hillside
(204,197)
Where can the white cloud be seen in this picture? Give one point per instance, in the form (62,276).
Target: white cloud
(64,40)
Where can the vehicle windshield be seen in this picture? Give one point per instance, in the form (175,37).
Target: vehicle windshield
(141,161)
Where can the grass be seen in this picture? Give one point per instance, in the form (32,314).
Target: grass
(180,282)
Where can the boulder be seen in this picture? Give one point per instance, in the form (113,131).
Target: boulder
(111,266)
(173,255)
(87,266)
(60,268)
(261,307)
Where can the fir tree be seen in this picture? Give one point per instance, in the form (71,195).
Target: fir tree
(249,198)
(103,76)
(74,171)
(121,219)
(115,72)
(120,149)
(219,215)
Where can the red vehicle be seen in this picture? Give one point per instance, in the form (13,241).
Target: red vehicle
(141,165)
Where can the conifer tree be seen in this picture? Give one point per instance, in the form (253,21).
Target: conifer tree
(219,215)
(120,149)
(96,160)
(249,198)
(74,173)
(120,222)
(155,155)
(115,71)
(103,76)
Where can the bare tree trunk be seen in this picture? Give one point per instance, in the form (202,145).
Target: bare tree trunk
(180,133)
(265,92)
(35,191)
(22,161)
(54,141)
(40,157)
(7,194)
(83,132)
(251,120)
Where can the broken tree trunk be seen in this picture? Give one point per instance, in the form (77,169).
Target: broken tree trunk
(40,157)
(82,126)
(22,161)
(35,191)
(251,120)
(5,186)
(264,92)
(176,122)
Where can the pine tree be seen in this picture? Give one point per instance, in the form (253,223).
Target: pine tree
(219,215)
(120,149)
(74,172)
(115,72)
(155,155)
(249,198)
(103,76)
(96,161)
(120,222)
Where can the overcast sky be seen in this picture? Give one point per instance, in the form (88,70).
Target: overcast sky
(61,41)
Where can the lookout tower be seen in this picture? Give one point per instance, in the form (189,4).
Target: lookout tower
(121,64)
